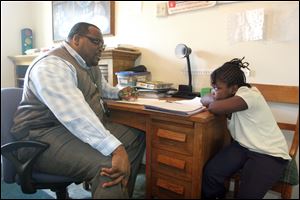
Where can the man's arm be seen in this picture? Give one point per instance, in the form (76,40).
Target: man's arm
(120,170)
(55,83)
(128,93)
(109,91)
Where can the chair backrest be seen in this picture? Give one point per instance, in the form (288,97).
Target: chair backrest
(283,94)
(10,99)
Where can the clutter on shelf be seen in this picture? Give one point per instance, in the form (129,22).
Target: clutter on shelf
(140,78)
(129,78)
(153,84)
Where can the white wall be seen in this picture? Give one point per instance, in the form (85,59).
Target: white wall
(205,31)
(14,17)
(272,60)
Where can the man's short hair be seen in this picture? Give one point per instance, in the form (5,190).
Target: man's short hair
(80,28)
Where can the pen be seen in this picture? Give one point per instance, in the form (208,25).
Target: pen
(172,102)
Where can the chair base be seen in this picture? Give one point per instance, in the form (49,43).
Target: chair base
(62,193)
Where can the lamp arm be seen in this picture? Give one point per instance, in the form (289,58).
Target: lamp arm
(189,70)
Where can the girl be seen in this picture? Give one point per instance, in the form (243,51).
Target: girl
(258,147)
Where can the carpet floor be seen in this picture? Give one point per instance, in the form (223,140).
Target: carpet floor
(13,191)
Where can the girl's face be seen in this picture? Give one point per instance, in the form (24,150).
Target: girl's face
(222,91)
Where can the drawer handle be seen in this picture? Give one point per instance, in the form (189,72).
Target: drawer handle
(170,186)
(171,135)
(180,164)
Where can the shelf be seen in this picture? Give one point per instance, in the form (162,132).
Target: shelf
(112,61)
(23,60)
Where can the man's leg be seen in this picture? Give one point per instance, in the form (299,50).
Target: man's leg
(134,142)
(69,156)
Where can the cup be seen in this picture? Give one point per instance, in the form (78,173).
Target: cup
(205,91)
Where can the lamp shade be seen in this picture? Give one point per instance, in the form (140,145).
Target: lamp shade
(182,51)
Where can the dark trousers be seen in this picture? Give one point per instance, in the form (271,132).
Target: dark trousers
(258,172)
(69,156)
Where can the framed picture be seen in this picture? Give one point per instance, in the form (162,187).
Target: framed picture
(67,13)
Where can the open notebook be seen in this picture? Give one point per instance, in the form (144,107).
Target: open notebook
(181,107)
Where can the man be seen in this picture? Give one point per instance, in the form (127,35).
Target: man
(62,105)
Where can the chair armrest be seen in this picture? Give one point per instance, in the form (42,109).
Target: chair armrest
(24,170)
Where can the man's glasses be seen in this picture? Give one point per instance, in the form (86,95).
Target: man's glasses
(95,41)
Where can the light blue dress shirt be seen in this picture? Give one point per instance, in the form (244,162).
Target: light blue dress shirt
(53,80)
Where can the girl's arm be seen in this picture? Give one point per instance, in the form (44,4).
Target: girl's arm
(226,106)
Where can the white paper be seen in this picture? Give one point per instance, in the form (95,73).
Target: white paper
(246,26)
(175,108)
(181,107)
(143,101)
(285,26)
(195,102)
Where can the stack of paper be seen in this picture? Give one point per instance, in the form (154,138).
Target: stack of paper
(183,107)
(147,93)
(153,85)
(143,101)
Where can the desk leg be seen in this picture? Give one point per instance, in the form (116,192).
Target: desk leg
(148,158)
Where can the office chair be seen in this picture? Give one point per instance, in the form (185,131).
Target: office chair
(290,95)
(16,171)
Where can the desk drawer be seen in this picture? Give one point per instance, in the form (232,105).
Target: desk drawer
(172,164)
(166,187)
(172,137)
(128,118)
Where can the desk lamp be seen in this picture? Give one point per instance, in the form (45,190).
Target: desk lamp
(185,91)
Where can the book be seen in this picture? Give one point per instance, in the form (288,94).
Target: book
(153,85)
(142,101)
(148,93)
(182,107)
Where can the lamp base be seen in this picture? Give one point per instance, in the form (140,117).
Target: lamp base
(186,92)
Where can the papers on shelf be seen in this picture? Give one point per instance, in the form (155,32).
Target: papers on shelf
(182,107)
(153,85)
(149,93)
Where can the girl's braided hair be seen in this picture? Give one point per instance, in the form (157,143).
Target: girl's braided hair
(231,73)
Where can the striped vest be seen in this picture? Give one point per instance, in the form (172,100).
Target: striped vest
(33,114)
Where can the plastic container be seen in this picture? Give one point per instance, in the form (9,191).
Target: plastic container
(129,78)
(205,91)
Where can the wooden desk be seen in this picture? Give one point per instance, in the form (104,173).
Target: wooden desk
(176,147)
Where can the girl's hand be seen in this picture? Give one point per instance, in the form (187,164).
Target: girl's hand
(207,99)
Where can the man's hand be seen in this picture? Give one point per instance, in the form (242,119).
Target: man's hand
(120,170)
(128,93)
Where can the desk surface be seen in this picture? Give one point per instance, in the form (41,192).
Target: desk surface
(198,117)
(177,147)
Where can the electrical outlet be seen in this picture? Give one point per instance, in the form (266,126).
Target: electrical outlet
(161,9)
